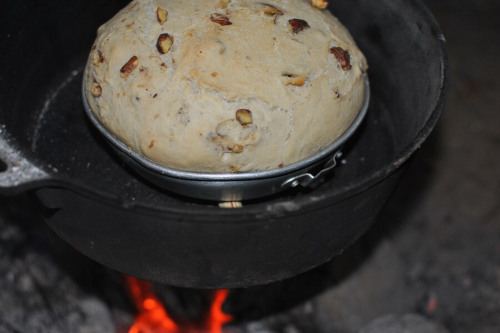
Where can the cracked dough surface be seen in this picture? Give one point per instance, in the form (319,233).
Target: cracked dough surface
(179,108)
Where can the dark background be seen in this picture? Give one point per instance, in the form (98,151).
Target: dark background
(435,250)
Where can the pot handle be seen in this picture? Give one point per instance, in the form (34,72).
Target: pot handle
(17,174)
(306,179)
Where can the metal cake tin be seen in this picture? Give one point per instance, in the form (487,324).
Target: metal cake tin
(232,186)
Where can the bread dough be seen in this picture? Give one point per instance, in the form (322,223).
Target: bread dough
(225,86)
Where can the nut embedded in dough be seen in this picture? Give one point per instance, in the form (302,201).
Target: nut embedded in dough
(129,67)
(244,117)
(164,43)
(237,149)
(96,90)
(298,25)
(98,58)
(162,15)
(342,57)
(321,4)
(296,80)
(221,19)
(271,10)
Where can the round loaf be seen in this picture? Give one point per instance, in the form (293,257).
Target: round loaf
(225,85)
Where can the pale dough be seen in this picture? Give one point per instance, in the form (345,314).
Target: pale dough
(293,71)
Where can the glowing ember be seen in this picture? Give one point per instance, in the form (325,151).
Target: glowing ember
(153,318)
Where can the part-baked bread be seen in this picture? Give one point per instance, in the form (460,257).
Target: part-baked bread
(225,85)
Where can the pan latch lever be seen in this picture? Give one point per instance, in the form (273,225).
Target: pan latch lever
(306,179)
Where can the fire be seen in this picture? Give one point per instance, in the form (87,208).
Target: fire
(217,317)
(153,318)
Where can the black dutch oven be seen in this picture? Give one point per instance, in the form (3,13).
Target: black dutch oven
(109,213)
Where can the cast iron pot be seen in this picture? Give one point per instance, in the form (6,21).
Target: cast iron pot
(106,211)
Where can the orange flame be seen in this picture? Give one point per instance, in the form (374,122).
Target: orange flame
(153,318)
(217,317)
